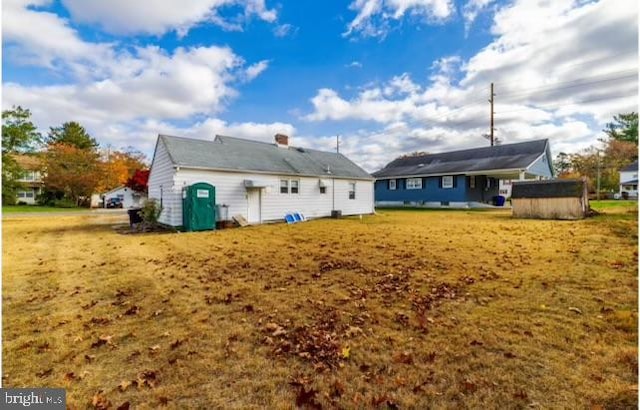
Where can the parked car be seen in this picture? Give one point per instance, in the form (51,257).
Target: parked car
(114,203)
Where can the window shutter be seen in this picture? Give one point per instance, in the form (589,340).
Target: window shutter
(455,181)
(440,182)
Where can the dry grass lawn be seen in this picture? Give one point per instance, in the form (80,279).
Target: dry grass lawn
(405,309)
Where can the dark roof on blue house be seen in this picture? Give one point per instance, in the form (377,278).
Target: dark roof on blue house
(508,157)
(242,155)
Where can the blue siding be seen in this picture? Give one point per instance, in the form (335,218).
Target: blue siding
(541,167)
(430,191)
(482,192)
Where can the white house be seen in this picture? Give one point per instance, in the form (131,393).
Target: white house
(629,180)
(31,178)
(260,181)
(129,197)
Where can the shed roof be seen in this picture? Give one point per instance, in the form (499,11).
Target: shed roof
(237,154)
(631,167)
(500,157)
(552,188)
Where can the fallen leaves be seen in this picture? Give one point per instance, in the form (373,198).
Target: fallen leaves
(100,401)
(44,373)
(133,310)
(102,340)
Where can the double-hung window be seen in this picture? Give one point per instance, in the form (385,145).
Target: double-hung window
(352,190)
(294,186)
(284,186)
(414,183)
(447,181)
(392,184)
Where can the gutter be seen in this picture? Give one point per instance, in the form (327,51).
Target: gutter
(482,172)
(250,171)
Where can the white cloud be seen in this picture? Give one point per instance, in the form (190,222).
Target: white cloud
(373,16)
(118,93)
(256,69)
(160,16)
(471,10)
(284,30)
(561,70)
(43,38)
(354,64)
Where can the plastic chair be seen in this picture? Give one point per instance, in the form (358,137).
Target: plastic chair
(289,219)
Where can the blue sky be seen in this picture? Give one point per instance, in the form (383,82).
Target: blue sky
(390,77)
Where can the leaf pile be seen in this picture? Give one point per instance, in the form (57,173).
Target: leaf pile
(321,342)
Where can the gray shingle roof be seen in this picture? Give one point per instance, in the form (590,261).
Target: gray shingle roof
(236,154)
(499,157)
(631,167)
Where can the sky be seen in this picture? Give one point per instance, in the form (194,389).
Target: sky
(389,77)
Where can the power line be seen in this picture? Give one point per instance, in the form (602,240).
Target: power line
(564,67)
(574,83)
(560,105)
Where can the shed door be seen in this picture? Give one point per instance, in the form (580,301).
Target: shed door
(253,199)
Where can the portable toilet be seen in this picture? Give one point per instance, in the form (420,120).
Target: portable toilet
(199,207)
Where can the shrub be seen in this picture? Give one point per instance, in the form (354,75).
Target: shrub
(150,212)
(64,203)
(21,203)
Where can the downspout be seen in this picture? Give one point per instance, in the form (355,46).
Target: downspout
(333,194)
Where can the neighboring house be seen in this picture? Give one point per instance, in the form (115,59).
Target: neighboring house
(629,180)
(460,178)
(260,181)
(31,179)
(129,197)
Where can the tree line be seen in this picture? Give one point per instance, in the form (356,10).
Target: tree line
(71,161)
(617,149)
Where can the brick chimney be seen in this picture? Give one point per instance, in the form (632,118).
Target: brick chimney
(282,140)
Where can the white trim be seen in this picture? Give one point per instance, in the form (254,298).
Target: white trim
(449,179)
(395,184)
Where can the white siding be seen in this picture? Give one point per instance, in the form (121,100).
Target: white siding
(230,190)
(362,204)
(162,188)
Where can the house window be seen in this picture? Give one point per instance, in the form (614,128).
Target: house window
(447,181)
(323,189)
(294,186)
(284,186)
(352,190)
(29,194)
(392,184)
(472,181)
(414,183)
(22,194)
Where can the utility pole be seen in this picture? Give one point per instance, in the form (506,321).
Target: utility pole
(338,144)
(491,126)
(598,175)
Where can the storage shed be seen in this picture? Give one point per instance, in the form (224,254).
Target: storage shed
(551,199)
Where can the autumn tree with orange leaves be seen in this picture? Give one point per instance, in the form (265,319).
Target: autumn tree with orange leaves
(71,170)
(119,166)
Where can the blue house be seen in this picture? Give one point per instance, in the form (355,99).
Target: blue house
(465,178)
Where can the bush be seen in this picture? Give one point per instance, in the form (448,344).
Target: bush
(21,203)
(64,203)
(150,212)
